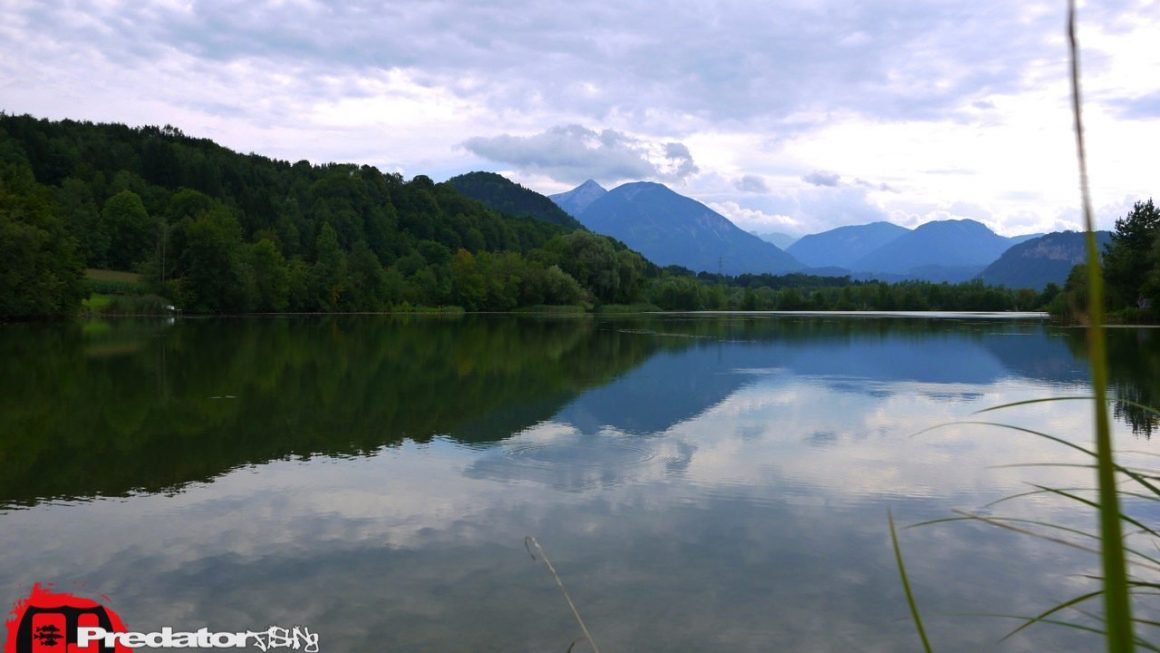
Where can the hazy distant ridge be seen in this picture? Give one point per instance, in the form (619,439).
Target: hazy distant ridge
(671,229)
(1040,261)
(844,246)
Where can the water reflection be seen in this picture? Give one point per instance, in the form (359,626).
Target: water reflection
(183,403)
(701,484)
(186,402)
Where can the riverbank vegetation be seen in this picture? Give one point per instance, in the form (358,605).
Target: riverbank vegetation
(209,230)
(1130,272)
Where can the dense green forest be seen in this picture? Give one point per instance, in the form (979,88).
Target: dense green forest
(215,231)
(1131,271)
(506,196)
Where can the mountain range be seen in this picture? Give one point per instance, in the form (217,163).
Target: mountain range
(845,246)
(781,239)
(671,229)
(1043,260)
(960,248)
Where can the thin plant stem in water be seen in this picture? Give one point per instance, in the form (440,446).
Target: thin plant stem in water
(530,542)
(906,585)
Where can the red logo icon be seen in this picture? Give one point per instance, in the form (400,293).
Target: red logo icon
(47,622)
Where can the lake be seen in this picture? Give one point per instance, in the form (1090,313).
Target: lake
(699,482)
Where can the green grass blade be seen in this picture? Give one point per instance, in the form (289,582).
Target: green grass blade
(1021,429)
(1117,604)
(1044,615)
(1008,523)
(1026,402)
(1139,452)
(1087,502)
(1127,402)
(1139,478)
(1022,465)
(906,585)
(1054,622)
(1030,493)
(1066,624)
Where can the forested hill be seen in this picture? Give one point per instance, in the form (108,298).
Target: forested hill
(214,231)
(219,231)
(502,194)
(1037,262)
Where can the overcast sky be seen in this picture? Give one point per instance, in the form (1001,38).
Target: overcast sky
(785,116)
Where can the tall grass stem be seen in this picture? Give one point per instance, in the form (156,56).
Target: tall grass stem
(1117,604)
(906,585)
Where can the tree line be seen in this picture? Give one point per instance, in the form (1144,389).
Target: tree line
(218,231)
(215,231)
(1130,266)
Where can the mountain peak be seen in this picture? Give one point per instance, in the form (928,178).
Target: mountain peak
(842,246)
(633,188)
(960,243)
(576,200)
(671,229)
(956,224)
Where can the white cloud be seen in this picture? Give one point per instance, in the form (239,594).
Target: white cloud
(572,153)
(880,95)
(751,184)
(820,178)
(756,220)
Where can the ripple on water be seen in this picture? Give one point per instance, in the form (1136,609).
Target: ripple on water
(584,453)
(577,464)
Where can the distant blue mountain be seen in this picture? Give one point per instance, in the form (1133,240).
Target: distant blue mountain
(1015,240)
(844,246)
(782,240)
(576,200)
(960,244)
(671,229)
(1040,261)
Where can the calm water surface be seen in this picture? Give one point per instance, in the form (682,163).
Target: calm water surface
(701,483)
